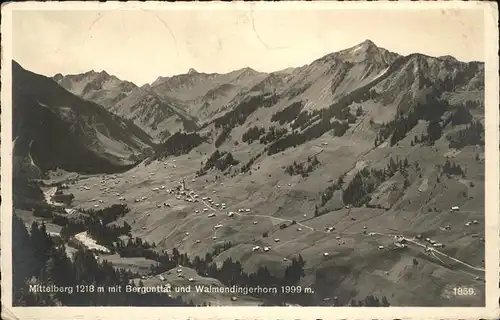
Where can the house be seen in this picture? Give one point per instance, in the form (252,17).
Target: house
(63,198)
(70,211)
(401,245)
(402,240)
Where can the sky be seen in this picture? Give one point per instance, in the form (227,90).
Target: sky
(141,45)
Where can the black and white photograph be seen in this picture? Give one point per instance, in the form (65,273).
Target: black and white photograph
(253,155)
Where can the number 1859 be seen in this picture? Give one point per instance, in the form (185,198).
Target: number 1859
(464,291)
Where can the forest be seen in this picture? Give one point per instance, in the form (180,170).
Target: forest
(177,144)
(220,160)
(38,259)
(471,135)
(358,190)
(303,168)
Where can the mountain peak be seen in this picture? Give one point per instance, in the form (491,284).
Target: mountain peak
(192,71)
(366,51)
(448,57)
(367,44)
(93,72)
(247,71)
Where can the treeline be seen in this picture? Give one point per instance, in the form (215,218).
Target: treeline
(315,123)
(329,192)
(273,134)
(222,137)
(461,115)
(303,168)
(433,133)
(38,260)
(431,110)
(103,234)
(43,211)
(246,167)
(288,114)
(96,224)
(357,193)
(218,160)
(239,114)
(451,82)
(201,265)
(364,182)
(315,131)
(472,135)
(178,144)
(108,214)
(256,133)
(304,119)
(453,169)
(136,247)
(252,134)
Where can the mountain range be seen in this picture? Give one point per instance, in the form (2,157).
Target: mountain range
(190,101)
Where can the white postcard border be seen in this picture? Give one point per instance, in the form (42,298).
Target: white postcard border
(492,237)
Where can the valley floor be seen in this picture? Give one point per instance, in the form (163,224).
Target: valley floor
(360,246)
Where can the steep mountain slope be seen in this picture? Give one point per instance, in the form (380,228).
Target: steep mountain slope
(53,128)
(339,73)
(99,87)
